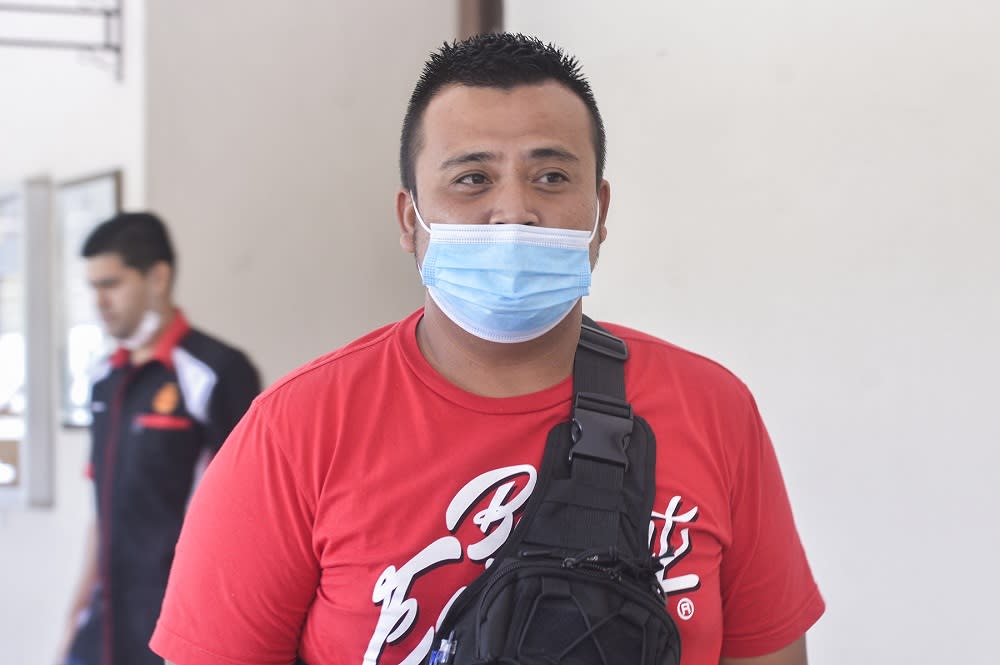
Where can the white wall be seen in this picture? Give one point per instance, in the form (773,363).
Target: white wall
(63,116)
(273,138)
(807,191)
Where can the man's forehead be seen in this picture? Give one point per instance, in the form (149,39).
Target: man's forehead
(461,119)
(107,264)
(552,152)
(456,99)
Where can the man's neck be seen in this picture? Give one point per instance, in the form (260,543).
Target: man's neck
(145,353)
(498,370)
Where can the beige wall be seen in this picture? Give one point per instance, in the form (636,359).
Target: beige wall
(808,192)
(273,136)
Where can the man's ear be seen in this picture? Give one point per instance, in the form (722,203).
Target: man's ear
(160,277)
(407,220)
(604,200)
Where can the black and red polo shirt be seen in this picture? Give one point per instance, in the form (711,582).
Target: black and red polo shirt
(153,424)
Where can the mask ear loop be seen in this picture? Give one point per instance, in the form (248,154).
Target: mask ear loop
(420,219)
(597,222)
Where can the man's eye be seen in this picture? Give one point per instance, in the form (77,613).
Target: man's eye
(473,179)
(553,178)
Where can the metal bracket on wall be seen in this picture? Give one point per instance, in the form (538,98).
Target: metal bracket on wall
(48,26)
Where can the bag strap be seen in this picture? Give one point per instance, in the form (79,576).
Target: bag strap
(602,419)
(596,484)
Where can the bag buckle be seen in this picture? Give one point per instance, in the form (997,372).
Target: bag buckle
(602,342)
(601,428)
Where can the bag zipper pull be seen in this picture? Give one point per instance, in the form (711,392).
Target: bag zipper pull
(444,652)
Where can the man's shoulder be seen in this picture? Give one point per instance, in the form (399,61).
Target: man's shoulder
(320,373)
(694,370)
(210,350)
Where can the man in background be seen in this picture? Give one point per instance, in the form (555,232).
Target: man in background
(162,405)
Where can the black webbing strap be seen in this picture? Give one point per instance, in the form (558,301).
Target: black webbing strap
(599,355)
(585,473)
(600,430)
(602,419)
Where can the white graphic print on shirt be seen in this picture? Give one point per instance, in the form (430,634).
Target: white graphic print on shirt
(668,555)
(399,613)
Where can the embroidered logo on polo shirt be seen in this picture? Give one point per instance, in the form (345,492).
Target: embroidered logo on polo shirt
(167,398)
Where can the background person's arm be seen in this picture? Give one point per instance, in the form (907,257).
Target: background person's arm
(84,590)
(239,384)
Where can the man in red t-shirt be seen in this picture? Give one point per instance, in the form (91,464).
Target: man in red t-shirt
(362,492)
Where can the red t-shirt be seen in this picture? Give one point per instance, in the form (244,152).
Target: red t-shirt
(361,492)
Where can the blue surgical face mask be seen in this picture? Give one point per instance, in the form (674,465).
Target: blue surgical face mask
(506,283)
(143,334)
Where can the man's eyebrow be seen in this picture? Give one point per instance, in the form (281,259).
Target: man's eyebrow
(553,153)
(469,158)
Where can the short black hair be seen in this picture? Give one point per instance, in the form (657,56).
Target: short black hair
(140,238)
(499,60)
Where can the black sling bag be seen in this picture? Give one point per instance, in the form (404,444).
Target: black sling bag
(575,584)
